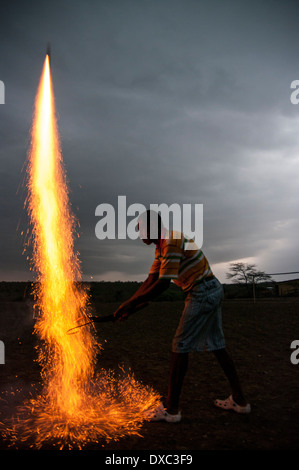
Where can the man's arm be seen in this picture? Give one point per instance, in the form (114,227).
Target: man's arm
(150,290)
(149,281)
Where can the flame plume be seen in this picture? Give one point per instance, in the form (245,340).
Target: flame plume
(59,299)
(78,405)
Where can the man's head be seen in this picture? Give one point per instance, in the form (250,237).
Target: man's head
(150,227)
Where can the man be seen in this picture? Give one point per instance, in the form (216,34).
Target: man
(200,326)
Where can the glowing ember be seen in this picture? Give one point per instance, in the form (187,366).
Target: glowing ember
(76,406)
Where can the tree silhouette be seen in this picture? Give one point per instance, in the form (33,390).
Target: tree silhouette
(248,274)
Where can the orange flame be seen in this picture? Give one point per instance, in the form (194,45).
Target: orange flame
(59,299)
(77,405)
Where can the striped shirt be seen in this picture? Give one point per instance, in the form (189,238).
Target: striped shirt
(186,267)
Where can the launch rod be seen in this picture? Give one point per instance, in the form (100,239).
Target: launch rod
(101,319)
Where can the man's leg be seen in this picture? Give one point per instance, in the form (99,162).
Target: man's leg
(178,369)
(228,367)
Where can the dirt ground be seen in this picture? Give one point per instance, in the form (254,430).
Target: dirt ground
(258,336)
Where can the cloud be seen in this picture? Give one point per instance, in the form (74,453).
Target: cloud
(185,102)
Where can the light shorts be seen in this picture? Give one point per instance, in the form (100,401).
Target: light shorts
(200,327)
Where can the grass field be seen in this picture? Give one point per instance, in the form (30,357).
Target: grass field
(258,336)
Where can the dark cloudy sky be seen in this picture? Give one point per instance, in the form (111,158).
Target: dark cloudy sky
(162,101)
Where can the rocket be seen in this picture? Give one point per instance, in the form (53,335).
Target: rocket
(48,52)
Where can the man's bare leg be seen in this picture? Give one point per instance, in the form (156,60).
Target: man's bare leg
(178,369)
(229,369)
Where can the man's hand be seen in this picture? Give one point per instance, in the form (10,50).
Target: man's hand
(126,309)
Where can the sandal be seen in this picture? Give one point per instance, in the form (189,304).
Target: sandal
(160,414)
(230,404)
